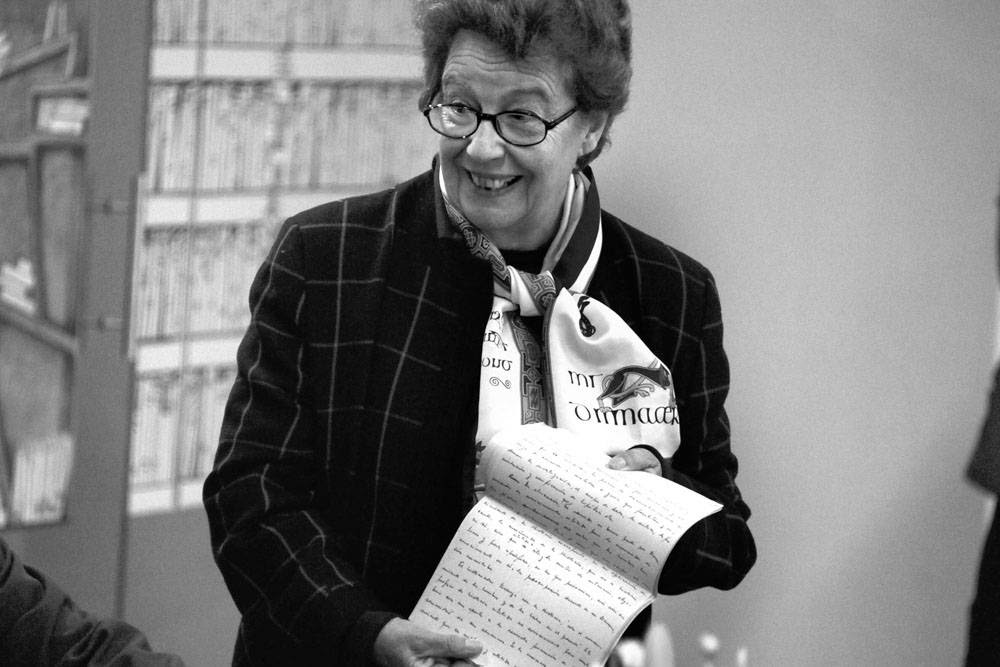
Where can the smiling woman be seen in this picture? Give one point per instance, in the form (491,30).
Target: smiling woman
(394,334)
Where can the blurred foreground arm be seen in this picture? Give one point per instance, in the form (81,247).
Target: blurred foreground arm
(41,625)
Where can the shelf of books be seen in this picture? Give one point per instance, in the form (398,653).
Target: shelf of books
(43,110)
(257,109)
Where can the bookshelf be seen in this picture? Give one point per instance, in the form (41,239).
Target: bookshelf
(43,112)
(257,109)
(73,74)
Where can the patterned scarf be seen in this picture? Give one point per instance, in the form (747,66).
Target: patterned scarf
(591,373)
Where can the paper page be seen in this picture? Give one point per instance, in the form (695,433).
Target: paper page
(530,598)
(628,520)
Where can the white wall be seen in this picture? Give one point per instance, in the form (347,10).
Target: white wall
(836,164)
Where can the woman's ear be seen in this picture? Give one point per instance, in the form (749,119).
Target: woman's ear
(594,124)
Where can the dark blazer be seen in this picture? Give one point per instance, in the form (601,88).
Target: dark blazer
(344,456)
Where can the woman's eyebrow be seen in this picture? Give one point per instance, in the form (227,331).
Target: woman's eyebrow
(536,94)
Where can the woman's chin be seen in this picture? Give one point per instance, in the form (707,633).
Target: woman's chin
(485,199)
(497,228)
(491,211)
(503,216)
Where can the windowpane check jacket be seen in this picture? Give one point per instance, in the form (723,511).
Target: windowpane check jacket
(343,459)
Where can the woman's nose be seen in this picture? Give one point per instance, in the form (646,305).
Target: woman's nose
(485,143)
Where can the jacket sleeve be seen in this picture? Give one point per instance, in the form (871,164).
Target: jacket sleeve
(300,601)
(41,625)
(719,550)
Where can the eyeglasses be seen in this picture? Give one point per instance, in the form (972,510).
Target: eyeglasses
(520,128)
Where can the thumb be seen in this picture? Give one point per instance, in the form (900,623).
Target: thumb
(455,646)
(635,459)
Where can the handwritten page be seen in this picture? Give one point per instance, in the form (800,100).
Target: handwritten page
(527,596)
(560,555)
(629,520)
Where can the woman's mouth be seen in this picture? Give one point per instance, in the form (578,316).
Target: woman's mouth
(492,183)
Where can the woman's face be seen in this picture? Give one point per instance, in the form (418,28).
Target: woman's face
(513,194)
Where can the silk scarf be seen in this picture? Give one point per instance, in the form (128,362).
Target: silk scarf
(590,373)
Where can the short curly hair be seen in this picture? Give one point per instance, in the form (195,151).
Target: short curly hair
(593,36)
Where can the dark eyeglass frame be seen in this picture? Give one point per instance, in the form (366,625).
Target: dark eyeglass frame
(492,117)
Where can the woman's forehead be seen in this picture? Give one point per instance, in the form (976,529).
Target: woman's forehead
(477,64)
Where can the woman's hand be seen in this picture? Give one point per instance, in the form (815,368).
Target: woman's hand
(637,459)
(402,643)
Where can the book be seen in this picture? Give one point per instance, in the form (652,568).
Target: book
(249,138)
(300,22)
(192,280)
(18,232)
(60,212)
(560,554)
(175,431)
(41,478)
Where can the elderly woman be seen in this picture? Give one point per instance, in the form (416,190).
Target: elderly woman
(369,372)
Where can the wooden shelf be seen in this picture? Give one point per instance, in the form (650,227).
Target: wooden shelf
(40,329)
(75,87)
(155,499)
(162,356)
(181,62)
(26,148)
(45,51)
(170,209)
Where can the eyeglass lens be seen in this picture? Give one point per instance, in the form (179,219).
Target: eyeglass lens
(515,127)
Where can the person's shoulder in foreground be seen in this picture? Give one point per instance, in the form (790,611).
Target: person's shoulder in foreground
(41,625)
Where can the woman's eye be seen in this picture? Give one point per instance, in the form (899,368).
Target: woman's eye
(519,118)
(458,113)
(457,116)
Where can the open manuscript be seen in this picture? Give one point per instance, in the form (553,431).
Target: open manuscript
(560,555)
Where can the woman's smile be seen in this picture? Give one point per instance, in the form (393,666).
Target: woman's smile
(490,183)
